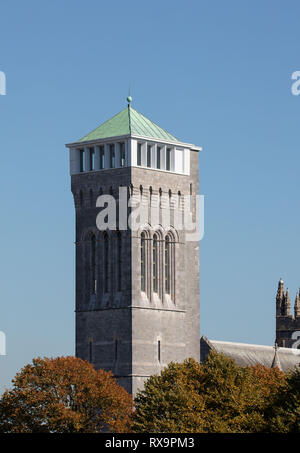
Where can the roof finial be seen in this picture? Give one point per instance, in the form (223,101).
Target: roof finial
(276,362)
(129,98)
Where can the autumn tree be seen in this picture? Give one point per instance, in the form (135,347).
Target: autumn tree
(64,395)
(284,414)
(215,396)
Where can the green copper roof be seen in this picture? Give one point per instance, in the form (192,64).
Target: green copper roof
(126,122)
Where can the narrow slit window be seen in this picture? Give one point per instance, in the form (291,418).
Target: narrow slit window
(92,159)
(90,351)
(116,349)
(148,156)
(170,197)
(139,154)
(93,264)
(119,248)
(155,263)
(167,265)
(168,159)
(102,162)
(158,149)
(81,153)
(106,263)
(112,156)
(158,351)
(122,154)
(143,263)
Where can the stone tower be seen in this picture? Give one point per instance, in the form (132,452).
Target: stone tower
(287,324)
(137,277)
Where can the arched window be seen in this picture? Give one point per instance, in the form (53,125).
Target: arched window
(155,263)
(93,264)
(141,194)
(105,263)
(119,258)
(179,199)
(167,265)
(170,197)
(143,262)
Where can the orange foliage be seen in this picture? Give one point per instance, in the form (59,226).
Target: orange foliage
(64,394)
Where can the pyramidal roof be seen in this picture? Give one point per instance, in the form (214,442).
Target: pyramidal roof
(129,122)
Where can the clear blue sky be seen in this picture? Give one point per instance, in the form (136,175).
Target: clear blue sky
(213,73)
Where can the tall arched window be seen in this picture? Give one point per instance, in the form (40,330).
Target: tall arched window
(179,199)
(93,264)
(167,265)
(143,262)
(155,263)
(119,258)
(170,197)
(105,262)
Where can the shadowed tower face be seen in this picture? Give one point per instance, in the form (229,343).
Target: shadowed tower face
(137,271)
(287,324)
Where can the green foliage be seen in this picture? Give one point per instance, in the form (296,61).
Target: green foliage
(284,414)
(215,396)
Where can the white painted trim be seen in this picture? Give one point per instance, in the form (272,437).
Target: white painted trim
(138,137)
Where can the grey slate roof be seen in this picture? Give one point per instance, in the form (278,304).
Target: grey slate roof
(245,354)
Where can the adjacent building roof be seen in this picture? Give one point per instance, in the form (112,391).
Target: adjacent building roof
(129,122)
(245,354)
